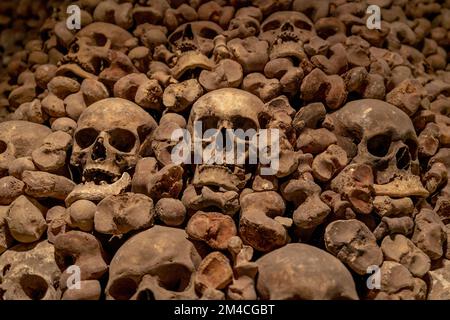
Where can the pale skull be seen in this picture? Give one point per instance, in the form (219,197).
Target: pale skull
(159,263)
(19,139)
(29,272)
(286,26)
(91,46)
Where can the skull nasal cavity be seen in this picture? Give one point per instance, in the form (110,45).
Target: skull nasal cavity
(403,158)
(287,27)
(99,150)
(188,34)
(379,145)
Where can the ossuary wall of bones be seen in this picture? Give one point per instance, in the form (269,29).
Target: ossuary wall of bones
(93,205)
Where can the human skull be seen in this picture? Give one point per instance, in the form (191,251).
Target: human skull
(380,135)
(242,27)
(19,139)
(286,32)
(224,109)
(159,263)
(29,272)
(195,36)
(107,140)
(89,54)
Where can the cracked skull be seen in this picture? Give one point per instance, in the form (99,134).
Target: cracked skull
(159,263)
(106,147)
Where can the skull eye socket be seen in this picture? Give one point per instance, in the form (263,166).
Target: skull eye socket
(3,146)
(174,277)
(208,33)
(123,288)
(379,145)
(122,139)
(271,25)
(34,286)
(86,137)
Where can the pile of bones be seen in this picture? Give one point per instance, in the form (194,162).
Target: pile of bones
(93,207)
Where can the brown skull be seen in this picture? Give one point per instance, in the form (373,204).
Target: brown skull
(29,272)
(159,263)
(107,141)
(223,109)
